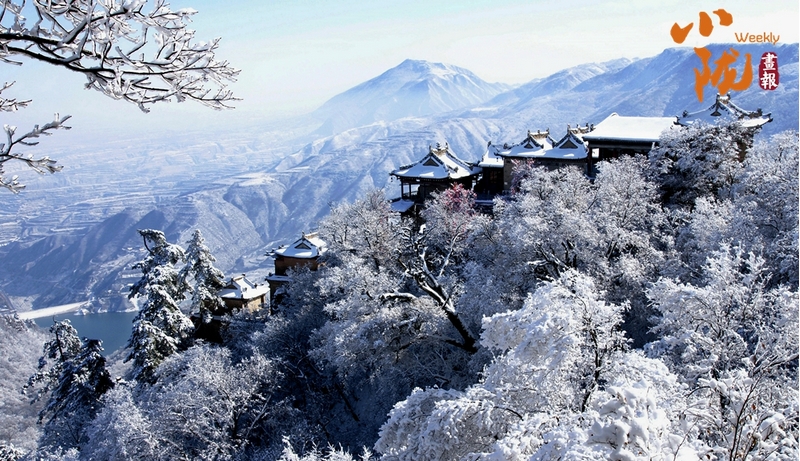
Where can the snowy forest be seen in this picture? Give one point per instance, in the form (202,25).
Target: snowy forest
(648,313)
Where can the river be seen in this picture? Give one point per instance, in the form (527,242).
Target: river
(113,328)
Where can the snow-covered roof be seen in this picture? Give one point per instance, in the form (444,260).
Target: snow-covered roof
(622,128)
(279,278)
(570,147)
(241,288)
(306,247)
(724,110)
(401,205)
(541,145)
(579,131)
(490,158)
(439,163)
(533,146)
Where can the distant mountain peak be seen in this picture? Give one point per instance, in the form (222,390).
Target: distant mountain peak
(429,68)
(411,89)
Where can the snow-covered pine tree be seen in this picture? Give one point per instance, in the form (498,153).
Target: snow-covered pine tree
(75,399)
(56,353)
(208,280)
(161,328)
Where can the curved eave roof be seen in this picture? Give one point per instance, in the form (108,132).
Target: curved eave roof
(307,247)
(438,166)
(241,288)
(490,158)
(534,145)
(524,150)
(401,205)
(725,111)
(557,154)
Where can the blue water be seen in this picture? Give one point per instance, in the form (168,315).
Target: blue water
(113,328)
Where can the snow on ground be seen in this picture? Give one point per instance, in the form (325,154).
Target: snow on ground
(55,310)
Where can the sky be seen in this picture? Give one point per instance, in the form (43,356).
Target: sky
(295,55)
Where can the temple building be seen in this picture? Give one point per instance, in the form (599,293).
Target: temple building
(581,146)
(539,148)
(620,135)
(490,183)
(242,294)
(440,169)
(239,295)
(304,252)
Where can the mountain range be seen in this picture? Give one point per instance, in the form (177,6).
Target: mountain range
(74,237)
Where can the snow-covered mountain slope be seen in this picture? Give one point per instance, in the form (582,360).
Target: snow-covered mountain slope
(248,191)
(413,88)
(662,85)
(561,81)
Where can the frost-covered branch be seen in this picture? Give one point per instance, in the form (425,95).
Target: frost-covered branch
(40,165)
(138,51)
(415,261)
(11,104)
(160,62)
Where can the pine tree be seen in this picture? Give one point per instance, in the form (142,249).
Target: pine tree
(75,400)
(161,328)
(56,353)
(208,280)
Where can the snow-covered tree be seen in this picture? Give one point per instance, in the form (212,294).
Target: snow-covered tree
(56,354)
(768,198)
(8,452)
(207,279)
(560,220)
(121,429)
(428,257)
(389,289)
(141,52)
(76,398)
(20,343)
(366,227)
(759,216)
(161,328)
(734,342)
(315,454)
(699,161)
(610,229)
(562,386)
(202,406)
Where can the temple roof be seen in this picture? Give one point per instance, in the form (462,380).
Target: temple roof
(490,158)
(541,145)
(440,163)
(637,129)
(306,247)
(401,205)
(241,288)
(724,110)
(571,146)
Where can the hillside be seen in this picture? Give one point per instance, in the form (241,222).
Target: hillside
(247,191)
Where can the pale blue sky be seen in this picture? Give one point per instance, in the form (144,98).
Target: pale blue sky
(294,55)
